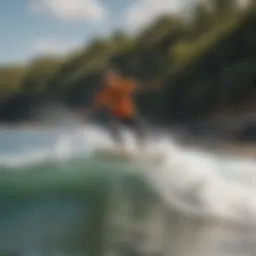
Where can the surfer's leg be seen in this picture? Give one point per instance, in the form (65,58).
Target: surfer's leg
(115,131)
(138,127)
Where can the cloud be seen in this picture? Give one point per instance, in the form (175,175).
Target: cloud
(144,11)
(72,10)
(54,46)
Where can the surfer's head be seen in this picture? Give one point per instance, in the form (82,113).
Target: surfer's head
(111,77)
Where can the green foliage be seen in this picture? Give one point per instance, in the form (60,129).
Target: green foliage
(224,8)
(207,62)
(202,20)
(40,73)
(10,80)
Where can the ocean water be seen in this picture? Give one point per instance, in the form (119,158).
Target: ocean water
(58,197)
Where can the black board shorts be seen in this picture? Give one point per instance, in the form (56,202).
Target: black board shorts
(135,124)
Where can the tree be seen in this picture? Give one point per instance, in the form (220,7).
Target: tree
(202,19)
(41,71)
(10,80)
(224,7)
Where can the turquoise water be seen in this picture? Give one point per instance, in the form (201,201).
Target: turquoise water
(50,205)
(57,198)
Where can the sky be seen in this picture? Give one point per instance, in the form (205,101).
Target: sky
(32,27)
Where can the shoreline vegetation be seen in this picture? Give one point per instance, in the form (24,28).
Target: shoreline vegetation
(208,64)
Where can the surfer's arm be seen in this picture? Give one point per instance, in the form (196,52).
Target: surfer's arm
(150,86)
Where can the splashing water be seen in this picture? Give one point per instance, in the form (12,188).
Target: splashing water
(195,183)
(204,185)
(38,146)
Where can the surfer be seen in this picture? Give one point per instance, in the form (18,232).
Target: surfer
(116,96)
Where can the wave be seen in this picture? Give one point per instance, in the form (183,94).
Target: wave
(195,183)
(40,146)
(203,185)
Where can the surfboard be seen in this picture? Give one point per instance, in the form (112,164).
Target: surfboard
(127,155)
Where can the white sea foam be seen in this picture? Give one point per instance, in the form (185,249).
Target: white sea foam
(194,182)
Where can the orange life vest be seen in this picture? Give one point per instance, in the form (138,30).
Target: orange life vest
(118,98)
